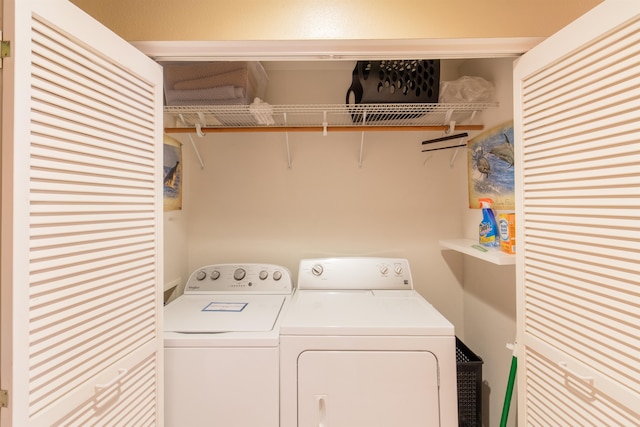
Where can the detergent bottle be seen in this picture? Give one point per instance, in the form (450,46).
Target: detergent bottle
(488,230)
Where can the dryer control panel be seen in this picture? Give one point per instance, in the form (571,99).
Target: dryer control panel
(355,273)
(238,278)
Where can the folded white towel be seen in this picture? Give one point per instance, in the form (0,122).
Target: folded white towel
(205,102)
(214,95)
(262,111)
(237,78)
(219,92)
(185,74)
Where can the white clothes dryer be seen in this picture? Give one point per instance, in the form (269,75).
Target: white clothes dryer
(360,347)
(221,347)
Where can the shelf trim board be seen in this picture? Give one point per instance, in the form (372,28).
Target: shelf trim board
(468,247)
(336,50)
(366,128)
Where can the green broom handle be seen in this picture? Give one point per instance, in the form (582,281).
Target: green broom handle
(509,392)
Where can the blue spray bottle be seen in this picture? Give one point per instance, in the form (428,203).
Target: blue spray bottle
(488,230)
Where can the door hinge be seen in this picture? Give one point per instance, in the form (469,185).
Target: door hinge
(4,398)
(5,49)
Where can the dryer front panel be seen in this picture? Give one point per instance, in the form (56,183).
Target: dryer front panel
(367,388)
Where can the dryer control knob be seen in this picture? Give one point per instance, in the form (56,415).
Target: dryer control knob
(384,270)
(239,274)
(215,275)
(398,269)
(263,274)
(277,275)
(200,275)
(317,270)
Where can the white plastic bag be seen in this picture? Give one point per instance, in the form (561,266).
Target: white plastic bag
(466,89)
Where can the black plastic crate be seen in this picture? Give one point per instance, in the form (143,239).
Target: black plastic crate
(469,370)
(396,82)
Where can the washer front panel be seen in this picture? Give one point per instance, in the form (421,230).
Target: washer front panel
(239,278)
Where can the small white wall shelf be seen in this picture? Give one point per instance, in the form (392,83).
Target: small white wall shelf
(467,247)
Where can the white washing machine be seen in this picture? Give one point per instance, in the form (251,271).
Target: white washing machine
(360,347)
(221,347)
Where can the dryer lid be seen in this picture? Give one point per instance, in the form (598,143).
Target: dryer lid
(219,313)
(355,312)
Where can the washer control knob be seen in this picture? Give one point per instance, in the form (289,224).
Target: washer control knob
(317,270)
(215,275)
(398,269)
(263,274)
(239,273)
(384,270)
(200,275)
(277,275)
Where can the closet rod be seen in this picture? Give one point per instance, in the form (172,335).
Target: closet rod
(320,128)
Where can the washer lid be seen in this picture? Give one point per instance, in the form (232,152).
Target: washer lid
(362,313)
(223,313)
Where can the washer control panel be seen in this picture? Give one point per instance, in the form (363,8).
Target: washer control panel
(239,278)
(351,273)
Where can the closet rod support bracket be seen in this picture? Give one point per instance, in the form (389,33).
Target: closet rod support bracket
(451,128)
(199,131)
(325,123)
(364,121)
(193,143)
(286,136)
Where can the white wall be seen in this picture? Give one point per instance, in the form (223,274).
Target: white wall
(175,246)
(246,205)
(333,19)
(489,290)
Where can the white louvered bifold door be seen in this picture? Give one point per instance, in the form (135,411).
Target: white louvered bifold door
(81,218)
(578,208)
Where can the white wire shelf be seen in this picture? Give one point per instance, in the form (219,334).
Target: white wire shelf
(322,116)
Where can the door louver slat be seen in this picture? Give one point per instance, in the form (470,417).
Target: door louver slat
(581,234)
(581,406)
(130,408)
(93,236)
(71,55)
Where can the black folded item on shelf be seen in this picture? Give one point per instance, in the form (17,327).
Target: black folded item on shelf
(393,81)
